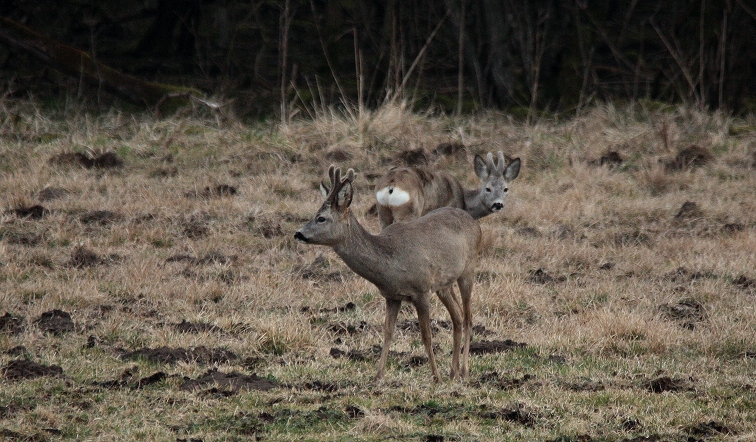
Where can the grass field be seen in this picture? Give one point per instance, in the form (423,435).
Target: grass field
(151,288)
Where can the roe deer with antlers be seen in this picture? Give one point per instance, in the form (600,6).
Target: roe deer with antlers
(406,262)
(407,193)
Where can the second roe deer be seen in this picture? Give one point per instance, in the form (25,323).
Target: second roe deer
(407,193)
(406,262)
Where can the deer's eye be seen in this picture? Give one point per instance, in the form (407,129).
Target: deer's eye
(488,189)
(320,219)
(506,190)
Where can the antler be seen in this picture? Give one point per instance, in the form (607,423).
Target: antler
(502,164)
(334,174)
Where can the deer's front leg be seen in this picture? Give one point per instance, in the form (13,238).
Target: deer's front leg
(392,311)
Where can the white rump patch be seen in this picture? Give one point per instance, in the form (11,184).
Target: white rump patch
(392,196)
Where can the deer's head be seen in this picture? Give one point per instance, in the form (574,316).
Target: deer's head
(329,224)
(495,179)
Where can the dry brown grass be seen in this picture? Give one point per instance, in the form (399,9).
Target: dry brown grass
(638,317)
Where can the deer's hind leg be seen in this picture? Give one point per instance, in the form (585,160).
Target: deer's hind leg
(465,290)
(446,295)
(422,305)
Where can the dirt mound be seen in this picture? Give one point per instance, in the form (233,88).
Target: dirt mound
(30,212)
(665,383)
(11,324)
(688,312)
(484,347)
(107,160)
(518,415)
(23,369)
(708,429)
(503,382)
(690,157)
(234,381)
(56,322)
(167,355)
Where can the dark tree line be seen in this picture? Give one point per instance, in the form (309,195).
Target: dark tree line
(525,56)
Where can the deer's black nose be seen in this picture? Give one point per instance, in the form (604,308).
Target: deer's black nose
(299,237)
(497,206)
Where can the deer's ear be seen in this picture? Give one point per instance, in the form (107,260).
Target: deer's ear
(324,190)
(344,197)
(481,169)
(512,170)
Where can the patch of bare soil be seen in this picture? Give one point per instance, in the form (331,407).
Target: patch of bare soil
(52,193)
(56,322)
(101,217)
(107,160)
(29,212)
(707,430)
(219,191)
(11,324)
(234,381)
(665,383)
(167,355)
(485,347)
(690,157)
(687,312)
(540,276)
(195,327)
(518,415)
(24,369)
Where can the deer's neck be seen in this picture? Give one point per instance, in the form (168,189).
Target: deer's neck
(474,203)
(366,254)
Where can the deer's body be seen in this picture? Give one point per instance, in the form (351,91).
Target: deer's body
(406,262)
(407,193)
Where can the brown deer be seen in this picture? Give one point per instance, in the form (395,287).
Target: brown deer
(406,262)
(407,193)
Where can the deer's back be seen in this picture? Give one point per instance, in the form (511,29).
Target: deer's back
(432,251)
